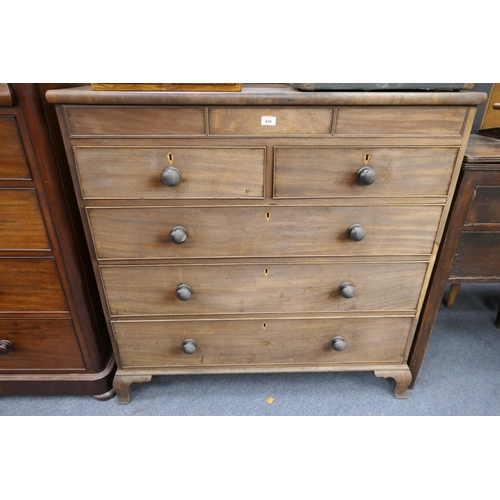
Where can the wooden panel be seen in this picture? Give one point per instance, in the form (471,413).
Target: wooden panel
(256,288)
(249,121)
(13,164)
(137,121)
(485,207)
(477,256)
(426,121)
(140,233)
(30,285)
(159,343)
(40,344)
(21,223)
(5,95)
(331,172)
(491,118)
(135,173)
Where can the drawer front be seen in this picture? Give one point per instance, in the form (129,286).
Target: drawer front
(13,164)
(270,121)
(37,344)
(135,121)
(261,342)
(30,285)
(136,173)
(419,121)
(144,233)
(485,207)
(477,256)
(256,288)
(21,223)
(333,172)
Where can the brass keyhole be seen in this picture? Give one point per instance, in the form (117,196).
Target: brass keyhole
(264,325)
(268,216)
(367,158)
(170,158)
(266,272)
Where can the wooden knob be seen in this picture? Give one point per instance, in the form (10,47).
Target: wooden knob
(366,176)
(189,346)
(5,347)
(347,290)
(178,235)
(184,292)
(356,232)
(171,176)
(338,343)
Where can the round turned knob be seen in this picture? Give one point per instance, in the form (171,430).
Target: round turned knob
(189,346)
(338,343)
(184,292)
(356,232)
(178,235)
(5,347)
(347,290)
(171,176)
(366,176)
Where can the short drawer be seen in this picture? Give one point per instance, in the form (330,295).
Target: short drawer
(262,342)
(132,121)
(38,344)
(145,233)
(13,164)
(477,256)
(485,207)
(337,172)
(270,121)
(21,222)
(136,173)
(411,121)
(258,288)
(30,285)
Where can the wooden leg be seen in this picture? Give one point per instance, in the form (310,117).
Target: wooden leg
(452,294)
(107,395)
(121,384)
(402,378)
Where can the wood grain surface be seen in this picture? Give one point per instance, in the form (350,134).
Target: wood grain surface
(13,164)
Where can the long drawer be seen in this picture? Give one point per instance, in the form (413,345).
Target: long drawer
(40,344)
(145,232)
(255,288)
(136,172)
(30,285)
(332,172)
(262,342)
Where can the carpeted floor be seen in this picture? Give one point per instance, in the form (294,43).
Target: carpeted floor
(460,375)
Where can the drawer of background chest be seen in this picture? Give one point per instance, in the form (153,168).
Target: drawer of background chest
(13,164)
(170,173)
(256,288)
(477,256)
(38,344)
(30,285)
(21,223)
(373,172)
(261,342)
(145,233)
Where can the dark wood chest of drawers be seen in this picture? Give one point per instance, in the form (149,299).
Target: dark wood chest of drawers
(469,252)
(52,338)
(262,231)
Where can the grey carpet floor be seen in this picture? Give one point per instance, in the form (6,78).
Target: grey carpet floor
(460,375)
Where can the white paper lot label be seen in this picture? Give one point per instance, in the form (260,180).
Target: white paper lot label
(268,120)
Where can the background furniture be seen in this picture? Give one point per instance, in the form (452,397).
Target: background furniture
(265,230)
(470,249)
(53,338)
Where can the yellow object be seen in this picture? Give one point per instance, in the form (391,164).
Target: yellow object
(270,400)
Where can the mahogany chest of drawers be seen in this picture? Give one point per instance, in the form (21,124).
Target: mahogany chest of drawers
(52,338)
(265,230)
